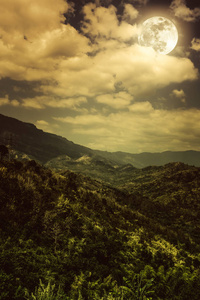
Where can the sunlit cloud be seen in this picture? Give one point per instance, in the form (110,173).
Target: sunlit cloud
(46,126)
(42,123)
(141,108)
(6,101)
(135,69)
(130,13)
(82,120)
(101,22)
(68,65)
(40,102)
(31,18)
(140,129)
(180,94)
(195,44)
(118,100)
(34,39)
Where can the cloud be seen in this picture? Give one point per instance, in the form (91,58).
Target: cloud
(34,39)
(195,44)
(41,102)
(46,126)
(130,13)
(5,101)
(141,108)
(42,122)
(82,120)
(141,129)
(33,103)
(140,70)
(14,103)
(39,59)
(114,61)
(183,12)
(101,22)
(31,18)
(71,65)
(64,42)
(180,94)
(118,100)
(134,69)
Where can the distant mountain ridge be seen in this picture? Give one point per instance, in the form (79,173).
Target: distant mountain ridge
(142,160)
(58,152)
(43,146)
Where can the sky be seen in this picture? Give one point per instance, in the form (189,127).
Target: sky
(76,69)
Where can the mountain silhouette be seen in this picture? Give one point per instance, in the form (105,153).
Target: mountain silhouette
(59,152)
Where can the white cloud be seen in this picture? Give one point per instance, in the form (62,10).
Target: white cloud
(33,103)
(82,120)
(101,22)
(57,55)
(118,100)
(142,129)
(195,44)
(64,42)
(47,126)
(130,13)
(40,102)
(181,11)
(141,70)
(42,122)
(40,58)
(34,39)
(136,69)
(180,94)
(31,18)
(141,108)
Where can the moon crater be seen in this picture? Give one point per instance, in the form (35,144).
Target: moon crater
(158,33)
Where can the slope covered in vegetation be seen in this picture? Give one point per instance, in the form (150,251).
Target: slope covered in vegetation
(76,238)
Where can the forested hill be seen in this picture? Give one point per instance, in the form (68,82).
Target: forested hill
(76,238)
(42,146)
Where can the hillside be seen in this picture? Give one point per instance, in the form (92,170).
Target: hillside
(40,145)
(77,238)
(59,153)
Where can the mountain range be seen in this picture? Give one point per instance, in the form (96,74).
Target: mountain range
(78,238)
(29,142)
(131,234)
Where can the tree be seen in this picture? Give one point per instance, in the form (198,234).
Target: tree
(3,151)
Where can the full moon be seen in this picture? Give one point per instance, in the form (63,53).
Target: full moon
(160,34)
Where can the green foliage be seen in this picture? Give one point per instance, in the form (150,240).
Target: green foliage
(45,292)
(80,239)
